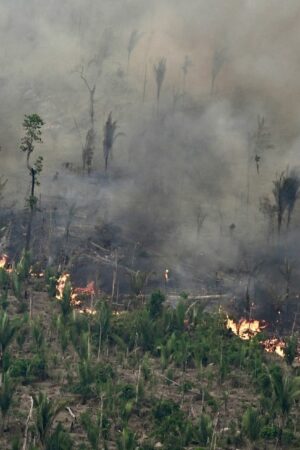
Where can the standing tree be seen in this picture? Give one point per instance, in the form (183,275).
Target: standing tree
(2,186)
(134,39)
(109,138)
(32,125)
(185,68)
(159,73)
(258,142)
(285,191)
(89,147)
(219,59)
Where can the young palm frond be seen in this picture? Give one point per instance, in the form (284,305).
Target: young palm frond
(46,412)
(127,440)
(251,424)
(7,332)
(7,389)
(159,73)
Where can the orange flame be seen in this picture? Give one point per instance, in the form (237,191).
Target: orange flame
(274,345)
(75,301)
(61,284)
(246,329)
(3,261)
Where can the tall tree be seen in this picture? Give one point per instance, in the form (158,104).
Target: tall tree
(219,59)
(285,191)
(89,147)
(109,138)
(32,126)
(159,73)
(133,41)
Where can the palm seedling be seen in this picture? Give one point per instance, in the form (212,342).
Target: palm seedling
(7,389)
(285,391)
(97,430)
(127,440)
(103,318)
(60,439)
(138,281)
(46,412)
(159,73)
(7,332)
(251,424)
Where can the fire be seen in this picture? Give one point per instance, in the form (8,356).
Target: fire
(166,275)
(88,290)
(246,329)
(75,300)
(89,311)
(274,345)
(61,284)
(3,261)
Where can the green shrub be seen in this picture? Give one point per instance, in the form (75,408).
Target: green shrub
(60,439)
(205,430)
(155,304)
(251,424)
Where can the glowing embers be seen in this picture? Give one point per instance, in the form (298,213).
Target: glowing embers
(246,329)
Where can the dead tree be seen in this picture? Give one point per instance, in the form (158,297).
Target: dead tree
(109,138)
(3,182)
(286,271)
(88,150)
(89,147)
(200,217)
(159,73)
(219,59)
(269,212)
(258,142)
(185,69)
(134,39)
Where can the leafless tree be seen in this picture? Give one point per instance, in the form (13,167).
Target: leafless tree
(89,147)
(219,59)
(187,63)
(134,39)
(200,218)
(159,73)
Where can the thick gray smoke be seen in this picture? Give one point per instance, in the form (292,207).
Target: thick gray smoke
(182,179)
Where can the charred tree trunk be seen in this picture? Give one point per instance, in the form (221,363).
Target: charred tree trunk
(32,201)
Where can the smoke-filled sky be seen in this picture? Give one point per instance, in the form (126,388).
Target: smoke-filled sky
(191,151)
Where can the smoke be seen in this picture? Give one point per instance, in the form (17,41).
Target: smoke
(193,152)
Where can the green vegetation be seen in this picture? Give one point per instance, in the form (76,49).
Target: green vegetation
(153,376)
